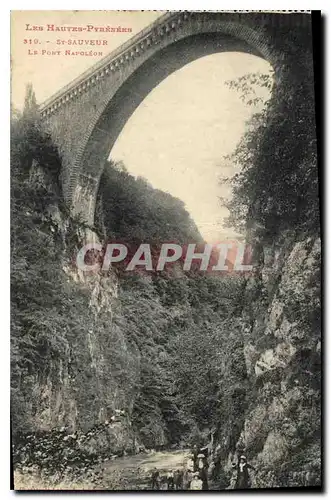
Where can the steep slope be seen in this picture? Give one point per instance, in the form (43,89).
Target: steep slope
(108,349)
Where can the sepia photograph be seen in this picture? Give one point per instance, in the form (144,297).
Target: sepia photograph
(165,199)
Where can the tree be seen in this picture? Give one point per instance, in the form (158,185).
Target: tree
(276,186)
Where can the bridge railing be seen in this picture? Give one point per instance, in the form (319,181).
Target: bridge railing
(112,61)
(116,53)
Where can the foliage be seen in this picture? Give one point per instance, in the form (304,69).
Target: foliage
(176,323)
(134,211)
(275,199)
(32,144)
(276,184)
(251,86)
(50,313)
(145,346)
(170,350)
(33,478)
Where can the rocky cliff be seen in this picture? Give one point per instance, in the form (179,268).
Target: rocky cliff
(281,329)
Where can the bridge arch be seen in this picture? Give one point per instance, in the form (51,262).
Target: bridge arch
(87,123)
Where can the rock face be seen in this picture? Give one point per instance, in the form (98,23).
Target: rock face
(78,386)
(282,350)
(67,379)
(79,390)
(269,384)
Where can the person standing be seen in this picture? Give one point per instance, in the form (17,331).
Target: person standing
(155,479)
(170,480)
(190,464)
(178,479)
(163,483)
(216,468)
(195,453)
(203,475)
(233,477)
(243,479)
(187,478)
(196,483)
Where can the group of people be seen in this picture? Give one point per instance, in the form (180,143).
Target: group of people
(173,480)
(195,474)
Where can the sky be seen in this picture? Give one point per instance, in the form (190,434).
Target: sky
(48,73)
(179,135)
(177,138)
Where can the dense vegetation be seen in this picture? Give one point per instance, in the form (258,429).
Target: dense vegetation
(171,333)
(276,187)
(175,321)
(50,314)
(179,353)
(131,210)
(275,200)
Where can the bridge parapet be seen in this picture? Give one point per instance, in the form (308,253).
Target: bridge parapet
(160,28)
(113,61)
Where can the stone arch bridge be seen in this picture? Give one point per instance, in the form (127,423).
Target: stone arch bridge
(86,116)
